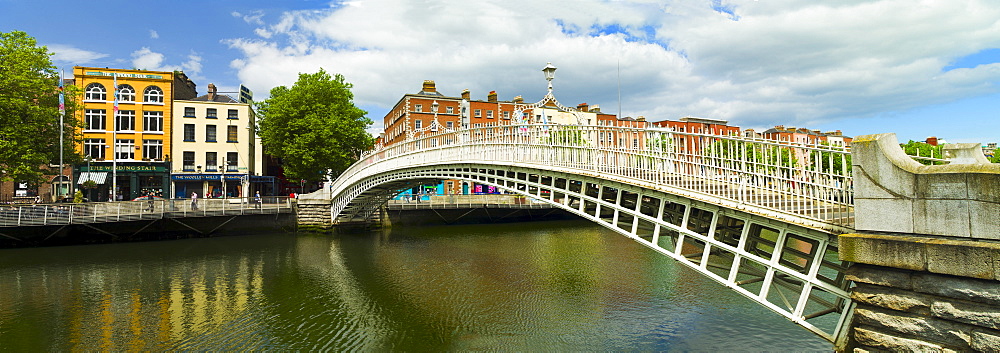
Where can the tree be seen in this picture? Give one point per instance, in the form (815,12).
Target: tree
(996,156)
(29,110)
(921,149)
(314,126)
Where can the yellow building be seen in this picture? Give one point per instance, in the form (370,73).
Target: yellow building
(139,129)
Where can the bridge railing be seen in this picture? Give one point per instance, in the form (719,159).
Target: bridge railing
(808,180)
(121,211)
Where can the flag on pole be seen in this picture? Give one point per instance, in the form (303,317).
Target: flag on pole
(116,97)
(62,102)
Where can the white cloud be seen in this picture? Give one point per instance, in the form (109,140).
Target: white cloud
(254,17)
(153,34)
(146,59)
(790,61)
(73,55)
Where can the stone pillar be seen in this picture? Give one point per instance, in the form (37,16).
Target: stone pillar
(312,210)
(926,255)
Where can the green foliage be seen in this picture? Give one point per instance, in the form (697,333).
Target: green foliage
(314,126)
(89,184)
(29,110)
(566,135)
(996,156)
(758,158)
(830,162)
(921,149)
(78,196)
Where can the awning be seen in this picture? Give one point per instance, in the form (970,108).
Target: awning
(97,177)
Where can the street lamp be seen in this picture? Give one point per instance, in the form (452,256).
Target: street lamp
(434,108)
(550,73)
(223,177)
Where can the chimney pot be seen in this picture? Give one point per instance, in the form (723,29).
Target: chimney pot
(466,95)
(492,97)
(429,86)
(211,92)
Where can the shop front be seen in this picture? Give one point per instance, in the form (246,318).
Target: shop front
(209,185)
(131,179)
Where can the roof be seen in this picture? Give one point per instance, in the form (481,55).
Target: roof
(219,98)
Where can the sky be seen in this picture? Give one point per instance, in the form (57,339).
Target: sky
(915,68)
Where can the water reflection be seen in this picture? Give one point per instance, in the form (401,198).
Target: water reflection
(531,286)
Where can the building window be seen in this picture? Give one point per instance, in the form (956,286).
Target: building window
(506,115)
(188,161)
(211,162)
(479,113)
(232,133)
(95,92)
(126,93)
(152,149)
(152,121)
(153,94)
(418,124)
(209,133)
(450,124)
(232,161)
(189,112)
(188,132)
(418,108)
(450,110)
(125,120)
(124,149)
(234,114)
(211,113)
(95,119)
(489,114)
(94,148)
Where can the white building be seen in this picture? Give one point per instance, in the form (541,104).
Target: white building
(214,141)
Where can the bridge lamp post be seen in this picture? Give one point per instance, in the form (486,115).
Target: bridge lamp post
(434,108)
(550,73)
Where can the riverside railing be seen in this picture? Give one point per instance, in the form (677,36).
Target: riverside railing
(122,211)
(456,201)
(808,180)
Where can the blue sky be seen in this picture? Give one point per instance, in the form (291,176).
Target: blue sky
(916,68)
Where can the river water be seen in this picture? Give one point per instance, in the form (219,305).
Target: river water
(558,285)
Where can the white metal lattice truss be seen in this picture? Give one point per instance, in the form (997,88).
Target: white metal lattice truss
(759,216)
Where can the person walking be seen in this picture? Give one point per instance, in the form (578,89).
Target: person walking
(149,203)
(256,200)
(194,200)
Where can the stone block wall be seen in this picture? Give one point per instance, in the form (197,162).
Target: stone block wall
(314,213)
(916,311)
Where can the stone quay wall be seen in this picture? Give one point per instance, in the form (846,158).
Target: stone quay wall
(926,255)
(313,212)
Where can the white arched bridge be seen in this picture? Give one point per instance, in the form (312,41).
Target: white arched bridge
(759,216)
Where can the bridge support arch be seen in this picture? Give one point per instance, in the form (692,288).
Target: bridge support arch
(790,268)
(927,250)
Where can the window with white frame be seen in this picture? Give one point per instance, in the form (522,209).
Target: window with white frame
(124,149)
(479,113)
(125,120)
(418,123)
(418,107)
(152,149)
(506,115)
(126,93)
(152,94)
(489,114)
(450,110)
(95,119)
(450,124)
(152,121)
(94,148)
(95,92)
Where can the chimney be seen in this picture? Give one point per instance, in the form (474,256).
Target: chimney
(429,87)
(518,100)
(492,97)
(583,107)
(211,92)
(640,118)
(466,95)
(779,127)
(933,141)
(595,108)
